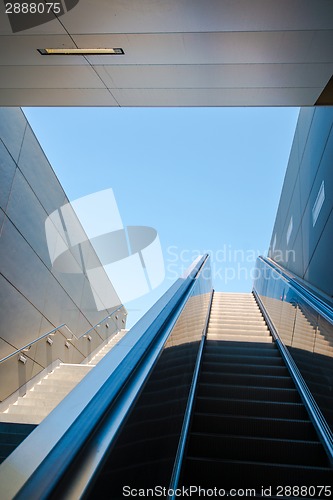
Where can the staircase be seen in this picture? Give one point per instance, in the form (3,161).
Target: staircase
(22,416)
(250,428)
(45,395)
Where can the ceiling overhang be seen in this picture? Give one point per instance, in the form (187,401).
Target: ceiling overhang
(176,53)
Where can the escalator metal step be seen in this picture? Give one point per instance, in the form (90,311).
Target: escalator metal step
(257,449)
(246,358)
(231,366)
(253,393)
(247,379)
(11,435)
(249,425)
(229,474)
(224,347)
(250,408)
(254,426)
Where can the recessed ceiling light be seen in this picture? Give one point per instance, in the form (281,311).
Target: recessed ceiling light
(80,52)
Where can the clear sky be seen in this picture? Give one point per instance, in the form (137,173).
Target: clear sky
(207,179)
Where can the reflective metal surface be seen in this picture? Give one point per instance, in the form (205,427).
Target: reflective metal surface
(323,430)
(305,326)
(189,408)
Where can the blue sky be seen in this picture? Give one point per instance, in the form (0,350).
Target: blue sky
(207,179)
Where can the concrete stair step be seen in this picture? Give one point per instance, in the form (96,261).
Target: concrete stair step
(52,389)
(98,358)
(56,383)
(106,348)
(74,366)
(23,410)
(66,377)
(35,395)
(45,390)
(31,404)
(18,418)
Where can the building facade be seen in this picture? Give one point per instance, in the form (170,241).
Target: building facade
(35,297)
(168,406)
(302,236)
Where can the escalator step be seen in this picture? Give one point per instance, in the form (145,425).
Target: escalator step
(268,409)
(11,435)
(169,370)
(11,438)
(254,426)
(239,348)
(257,449)
(158,409)
(162,392)
(247,359)
(241,474)
(247,379)
(231,366)
(250,428)
(154,448)
(248,392)
(151,425)
(6,449)
(144,474)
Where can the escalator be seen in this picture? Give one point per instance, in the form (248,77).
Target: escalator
(201,399)
(250,428)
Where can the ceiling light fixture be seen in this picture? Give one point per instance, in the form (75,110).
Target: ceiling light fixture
(81,52)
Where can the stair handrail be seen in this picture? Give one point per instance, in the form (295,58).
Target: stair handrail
(324,432)
(308,296)
(54,330)
(189,408)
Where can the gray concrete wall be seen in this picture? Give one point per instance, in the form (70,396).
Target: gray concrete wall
(34,297)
